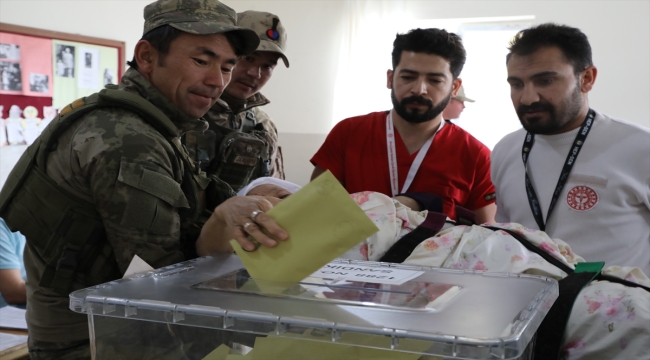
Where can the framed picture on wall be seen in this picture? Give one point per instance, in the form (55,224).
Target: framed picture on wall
(39,83)
(10,76)
(9,51)
(65,60)
(109,77)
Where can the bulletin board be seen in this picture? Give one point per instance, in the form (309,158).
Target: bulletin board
(49,68)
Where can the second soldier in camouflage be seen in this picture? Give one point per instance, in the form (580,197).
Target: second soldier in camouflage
(236,118)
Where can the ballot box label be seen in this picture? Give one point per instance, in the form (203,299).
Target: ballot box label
(381,275)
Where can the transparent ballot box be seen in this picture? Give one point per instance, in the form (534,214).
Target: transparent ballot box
(210,308)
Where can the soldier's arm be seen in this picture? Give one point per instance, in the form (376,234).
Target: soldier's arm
(135,183)
(135,187)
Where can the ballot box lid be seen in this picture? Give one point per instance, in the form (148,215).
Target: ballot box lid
(433,310)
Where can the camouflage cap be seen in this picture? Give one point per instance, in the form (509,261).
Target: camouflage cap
(201,17)
(273,36)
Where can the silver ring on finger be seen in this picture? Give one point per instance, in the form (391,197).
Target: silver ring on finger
(246,226)
(255,213)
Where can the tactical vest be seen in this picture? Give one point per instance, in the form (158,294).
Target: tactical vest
(67,232)
(235,156)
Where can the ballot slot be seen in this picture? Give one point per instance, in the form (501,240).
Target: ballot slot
(411,295)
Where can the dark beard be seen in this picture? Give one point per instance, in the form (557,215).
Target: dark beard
(557,120)
(414,117)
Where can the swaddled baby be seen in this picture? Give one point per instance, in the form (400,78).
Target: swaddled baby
(269,186)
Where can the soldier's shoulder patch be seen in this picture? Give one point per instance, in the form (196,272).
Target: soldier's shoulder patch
(75,104)
(491,196)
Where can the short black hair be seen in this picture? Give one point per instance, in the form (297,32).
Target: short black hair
(432,41)
(571,41)
(161,38)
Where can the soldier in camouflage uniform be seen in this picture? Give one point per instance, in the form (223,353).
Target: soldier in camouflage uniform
(241,103)
(109,178)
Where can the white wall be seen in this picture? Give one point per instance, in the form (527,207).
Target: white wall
(302,96)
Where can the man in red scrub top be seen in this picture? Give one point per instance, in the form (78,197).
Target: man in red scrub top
(411,149)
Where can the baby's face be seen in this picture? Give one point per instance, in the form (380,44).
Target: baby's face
(269,190)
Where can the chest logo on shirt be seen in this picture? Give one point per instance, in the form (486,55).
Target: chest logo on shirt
(582,198)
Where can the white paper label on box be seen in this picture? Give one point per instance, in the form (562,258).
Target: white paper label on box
(380,275)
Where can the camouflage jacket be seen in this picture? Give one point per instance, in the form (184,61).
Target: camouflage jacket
(229,112)
(114,159)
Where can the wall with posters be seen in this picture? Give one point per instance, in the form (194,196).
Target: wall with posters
(80,70)
(42,71)
(25,65)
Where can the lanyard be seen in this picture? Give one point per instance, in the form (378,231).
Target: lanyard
(564,175)
(392,157)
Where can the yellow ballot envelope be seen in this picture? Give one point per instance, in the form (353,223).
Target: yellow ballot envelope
(322,221)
